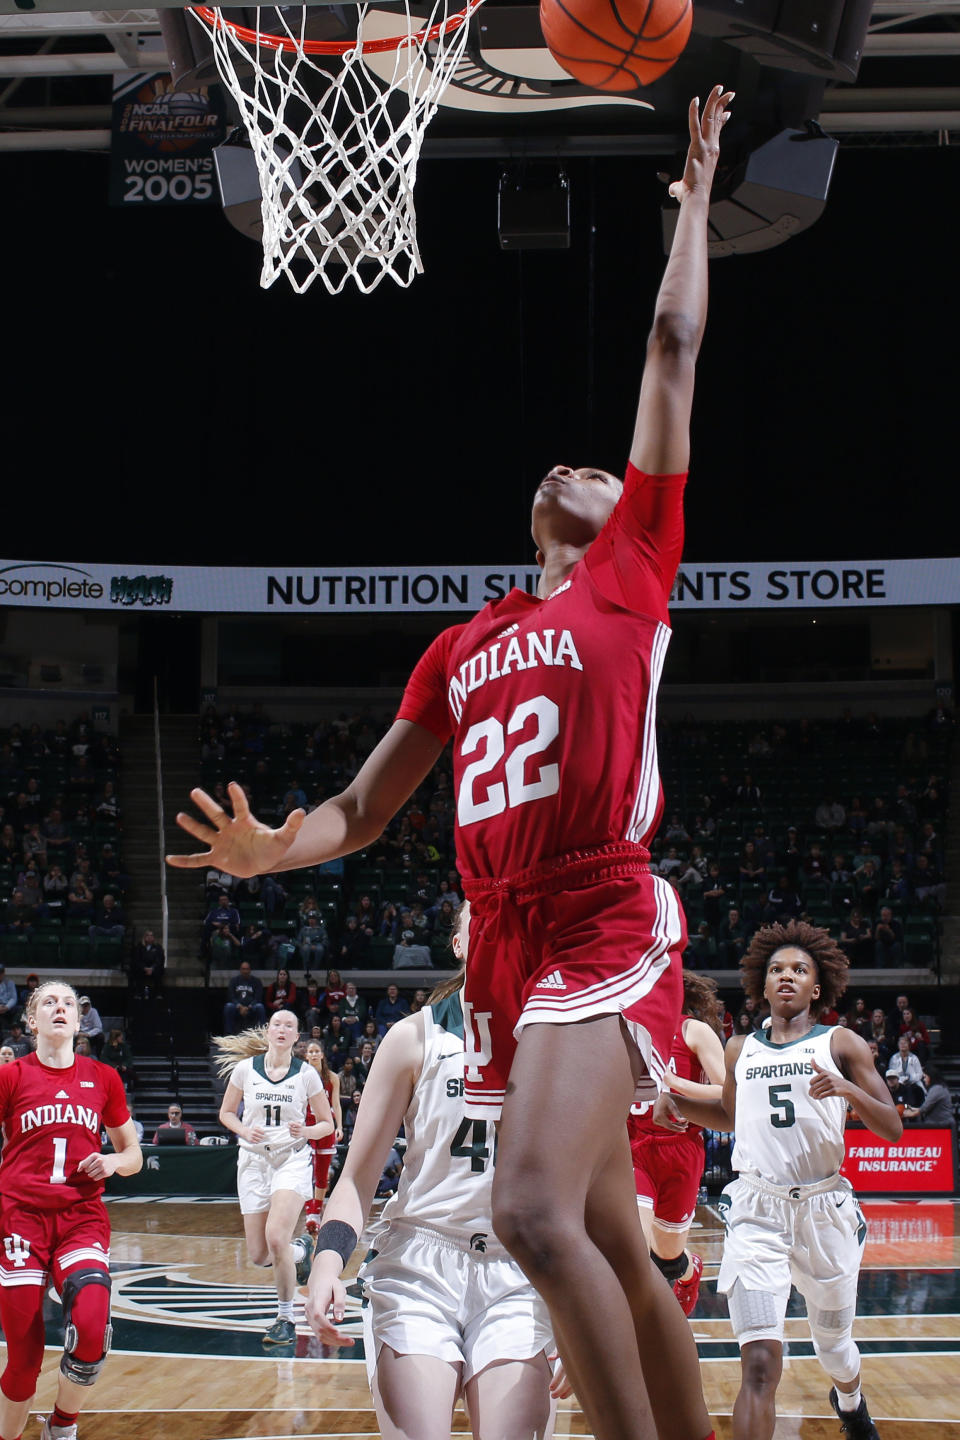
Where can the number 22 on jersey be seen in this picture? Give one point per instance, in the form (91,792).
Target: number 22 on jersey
(514,789)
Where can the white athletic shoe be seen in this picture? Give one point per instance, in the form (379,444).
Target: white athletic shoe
(58,1432)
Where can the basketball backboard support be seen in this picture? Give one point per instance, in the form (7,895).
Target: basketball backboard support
(906,92)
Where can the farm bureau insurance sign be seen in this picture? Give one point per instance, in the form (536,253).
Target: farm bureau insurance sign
(369,589)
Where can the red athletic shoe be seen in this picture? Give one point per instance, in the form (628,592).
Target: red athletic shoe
(687,1291)
(312,1216)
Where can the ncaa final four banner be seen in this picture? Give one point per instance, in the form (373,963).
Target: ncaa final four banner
(336,589)
(162,143)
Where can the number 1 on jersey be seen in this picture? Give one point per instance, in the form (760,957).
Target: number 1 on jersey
(57,1174)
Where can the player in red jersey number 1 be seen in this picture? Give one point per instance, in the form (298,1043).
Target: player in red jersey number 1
(53,1223)
(550,700)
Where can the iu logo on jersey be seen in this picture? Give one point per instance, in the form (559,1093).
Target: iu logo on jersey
(17,1250)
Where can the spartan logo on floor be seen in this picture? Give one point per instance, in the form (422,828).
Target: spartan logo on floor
(164,1308)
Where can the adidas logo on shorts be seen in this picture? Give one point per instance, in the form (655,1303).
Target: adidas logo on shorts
(553,981)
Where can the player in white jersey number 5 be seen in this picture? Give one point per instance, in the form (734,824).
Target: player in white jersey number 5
(446,1309)
(790,1217)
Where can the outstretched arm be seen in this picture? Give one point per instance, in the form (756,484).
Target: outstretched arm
(243,846)
(661,440)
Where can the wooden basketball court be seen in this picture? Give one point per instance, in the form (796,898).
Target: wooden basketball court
(189,1311)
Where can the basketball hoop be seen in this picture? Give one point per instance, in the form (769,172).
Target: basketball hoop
(337,143)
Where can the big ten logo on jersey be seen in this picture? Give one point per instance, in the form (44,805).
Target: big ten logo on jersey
(16,1249)
(477,1045)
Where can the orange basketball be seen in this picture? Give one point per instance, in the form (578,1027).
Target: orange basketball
(616,44)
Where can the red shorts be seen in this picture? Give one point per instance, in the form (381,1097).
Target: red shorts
(584,934)
(667,1173)
(38,1244)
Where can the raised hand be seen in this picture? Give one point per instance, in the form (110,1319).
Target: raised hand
(239,844)
(704,148)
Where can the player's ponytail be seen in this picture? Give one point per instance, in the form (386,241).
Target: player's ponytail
(234,1048)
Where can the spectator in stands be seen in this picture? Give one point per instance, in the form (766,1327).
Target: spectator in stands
(937,1107)
(310,1006)
(6,1054)
(867,883)
(223,913)
(916,1033)
(409,955)
(18,1040)
(928,883)
(146,967)
(390,1009)
(352,1010)
(701,953)
(880,1032)
(117,1054)
(888,939)
(55,889)
(898,890)
(752,869)
(909,1070)
(313,941)
(814,864)
(91,1026)
(348,1078)
(363,1062)
(175,1121)
(732,938)
(350,1116)
(334,992)
(856,938)
(281,993)
(337,1043)
(716,895)
(108,920)
(257,944)
(783,902)
(857,817)
(10,1006)
(858,1017)
(244,1006)
(222,947)
(830,815)
(369,1035)
(443,918)
(31,983)
(18,915)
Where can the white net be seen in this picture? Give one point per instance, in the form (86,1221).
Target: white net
(336,143)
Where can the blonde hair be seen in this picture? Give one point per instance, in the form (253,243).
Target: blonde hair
(33,1000)
(234,1048)
(453,983)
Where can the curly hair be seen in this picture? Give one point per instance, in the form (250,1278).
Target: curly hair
(700,999)
(832,965)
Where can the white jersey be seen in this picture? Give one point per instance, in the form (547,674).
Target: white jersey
(783,1134)
(272,1104)
(447,1175)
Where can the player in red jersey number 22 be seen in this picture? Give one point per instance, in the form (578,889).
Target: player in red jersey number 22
(575,946)
(53,1223)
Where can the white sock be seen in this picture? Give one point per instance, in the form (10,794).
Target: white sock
(299,1248)
(848,1400)
(284,1309)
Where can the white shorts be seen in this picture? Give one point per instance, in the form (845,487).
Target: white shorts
(260,1176)
(773,1240)
(425,1294)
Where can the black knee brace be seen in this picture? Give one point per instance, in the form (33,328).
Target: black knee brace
(81,1372)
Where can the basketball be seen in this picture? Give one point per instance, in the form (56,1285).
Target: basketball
(616,44)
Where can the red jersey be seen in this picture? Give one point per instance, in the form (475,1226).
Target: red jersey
(326,1142)
(552,703)
(52,1120)
(683,1062)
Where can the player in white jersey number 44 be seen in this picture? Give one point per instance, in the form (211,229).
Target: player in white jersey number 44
(791,1217)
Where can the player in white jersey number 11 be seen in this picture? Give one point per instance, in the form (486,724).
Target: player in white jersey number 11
(790,1217)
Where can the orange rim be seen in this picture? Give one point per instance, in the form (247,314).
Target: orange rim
(216,21)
